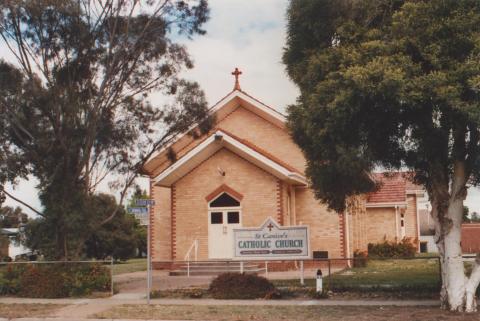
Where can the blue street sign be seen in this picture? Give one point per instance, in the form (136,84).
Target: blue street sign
(137,210)
(144,202)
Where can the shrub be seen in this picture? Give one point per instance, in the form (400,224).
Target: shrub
(404,249)
(360,258)
(240,286)
(54,280)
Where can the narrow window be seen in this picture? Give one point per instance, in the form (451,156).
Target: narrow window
(216,218)
(233,217)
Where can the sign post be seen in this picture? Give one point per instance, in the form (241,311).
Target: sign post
(139,210)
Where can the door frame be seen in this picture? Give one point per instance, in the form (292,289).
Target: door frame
(223,210)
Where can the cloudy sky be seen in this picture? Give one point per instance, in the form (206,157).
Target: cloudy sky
(249,35)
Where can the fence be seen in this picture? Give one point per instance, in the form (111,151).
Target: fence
(339,274)
(56,278)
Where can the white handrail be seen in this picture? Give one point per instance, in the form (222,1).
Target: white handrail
(194,246)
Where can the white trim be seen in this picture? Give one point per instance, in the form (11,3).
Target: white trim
(386,204)
(234,94)
(211,145)
(415,191)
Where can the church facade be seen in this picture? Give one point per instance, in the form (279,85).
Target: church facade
(246,169)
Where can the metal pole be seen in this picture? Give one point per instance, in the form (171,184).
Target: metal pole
(188,268)
(266,269)
(111,275)
(302,276)
(149,262)
(329,272)
(241,267)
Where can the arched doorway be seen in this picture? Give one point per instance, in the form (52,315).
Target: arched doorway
(224,214)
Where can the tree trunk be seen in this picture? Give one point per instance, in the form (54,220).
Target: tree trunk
(453,261)
(458,290)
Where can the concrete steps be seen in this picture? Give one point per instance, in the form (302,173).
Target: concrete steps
(207,268)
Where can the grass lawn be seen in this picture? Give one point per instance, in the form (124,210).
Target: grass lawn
(383,275)
(132,265)
(276,313)
(14,310)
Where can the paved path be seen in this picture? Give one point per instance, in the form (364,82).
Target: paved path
(82,309)
(120,301)
(136,282)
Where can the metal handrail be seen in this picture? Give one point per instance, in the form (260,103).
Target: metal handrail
(194,246)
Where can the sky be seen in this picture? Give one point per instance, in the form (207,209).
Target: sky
(249,35)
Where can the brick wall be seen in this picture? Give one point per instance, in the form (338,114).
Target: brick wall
(161,223)
(260,192)
(380,225)
(471,238)
(324,224)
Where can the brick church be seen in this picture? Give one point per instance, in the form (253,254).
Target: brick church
(246,169)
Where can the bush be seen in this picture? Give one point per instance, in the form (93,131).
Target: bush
(404,249)
(360,258)
(240,286)
(54,280)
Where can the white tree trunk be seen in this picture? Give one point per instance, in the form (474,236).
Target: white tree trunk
(471,287)
(458,290)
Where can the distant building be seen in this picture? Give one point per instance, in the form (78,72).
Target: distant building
(471,238)
(11,247)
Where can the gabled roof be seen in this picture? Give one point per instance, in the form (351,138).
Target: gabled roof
(393,189)
(217,141)
(221,109)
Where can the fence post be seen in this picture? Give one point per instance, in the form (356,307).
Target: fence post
(241,266)
(329,275)
(266,269)
(302,276)
(111,275)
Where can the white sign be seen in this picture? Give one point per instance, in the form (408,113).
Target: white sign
(144,202)
(271,241)
(137,210)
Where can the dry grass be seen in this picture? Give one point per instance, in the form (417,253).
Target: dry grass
(276,313)
(15,310)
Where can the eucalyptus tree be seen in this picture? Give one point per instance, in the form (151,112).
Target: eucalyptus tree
(81,112)
(396,84)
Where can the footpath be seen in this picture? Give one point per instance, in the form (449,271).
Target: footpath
(83,309)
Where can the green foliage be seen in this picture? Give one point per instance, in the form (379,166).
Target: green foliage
(465,214)
(404,249)
(240,286)
(54,280)
(385,83)
(78,100)
(12,217)
(360,258)
(119,238)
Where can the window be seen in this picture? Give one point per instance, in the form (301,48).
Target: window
(423,247)
(320,254)
(216,218)
(224,200)
(402,223)
(233,217)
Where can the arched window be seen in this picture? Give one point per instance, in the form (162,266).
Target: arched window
(224,200)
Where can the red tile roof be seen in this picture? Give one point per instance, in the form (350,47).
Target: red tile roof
(392,189)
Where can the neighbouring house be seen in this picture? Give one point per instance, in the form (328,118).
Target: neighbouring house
(9,245)
(246,169)
(471,238)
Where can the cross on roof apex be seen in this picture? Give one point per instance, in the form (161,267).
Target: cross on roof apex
(236,73)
